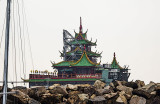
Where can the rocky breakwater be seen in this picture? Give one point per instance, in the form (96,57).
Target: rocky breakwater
(118,92)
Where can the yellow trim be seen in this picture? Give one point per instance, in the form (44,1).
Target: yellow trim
(87,59)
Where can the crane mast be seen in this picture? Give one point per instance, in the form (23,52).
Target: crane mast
(5,73)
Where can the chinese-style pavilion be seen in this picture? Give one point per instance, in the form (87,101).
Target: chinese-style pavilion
(79,65)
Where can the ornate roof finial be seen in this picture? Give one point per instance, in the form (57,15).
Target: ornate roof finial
(80,28)
(114,54)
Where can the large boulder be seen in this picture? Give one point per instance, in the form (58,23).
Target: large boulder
(71,93)
(158,89)
(71,87)
(59,90)
(97,100)
(121,100)
(117,83)
(149,87)
(110,95)
(137,100)
(53,86)
(73,99)
(127,90)
(89,90)
(155,100)
(83,97)
(101,92)
(111,98)
(21,98)
(32,101)
(146,90)
(51,98)
(84,88)
(99,84)
(36,92)
(21,88)
(140,83)
(133,85)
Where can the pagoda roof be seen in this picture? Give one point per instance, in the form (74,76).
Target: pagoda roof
(83,61)
(115,64)
(83,35)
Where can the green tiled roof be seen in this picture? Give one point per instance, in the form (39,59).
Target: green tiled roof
(83,61)
(115,64)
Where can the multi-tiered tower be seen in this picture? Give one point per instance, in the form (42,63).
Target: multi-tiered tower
(80,62)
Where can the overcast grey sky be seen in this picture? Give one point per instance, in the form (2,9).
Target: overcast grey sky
(129,28)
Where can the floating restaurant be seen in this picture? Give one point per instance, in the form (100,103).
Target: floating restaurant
(79,65)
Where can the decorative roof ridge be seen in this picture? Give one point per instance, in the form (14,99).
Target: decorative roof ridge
(114,58)
(84,53)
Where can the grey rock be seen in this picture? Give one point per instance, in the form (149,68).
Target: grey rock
(140,83)
(59,90)
(137,100)
(83,97)
(53,86)
(99,84)
(71,87)
(110,95)
(121,100)
(101,92)
(133,85)
(146,90)
(127,90)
